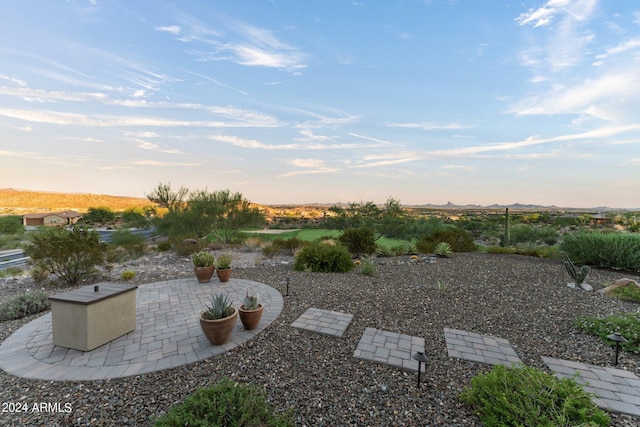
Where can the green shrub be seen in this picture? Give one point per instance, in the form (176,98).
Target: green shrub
(324,258)
(39,274)
(71,255)
(629,292)
(127,275)
(368,268)
(615,251)
(24,305)
(526,396)
(359,241)
(523,233)
(628,324)
(11,224)
(224,404)
(164,246)
(458,239)
(11,272)
(132,243)
(283,246)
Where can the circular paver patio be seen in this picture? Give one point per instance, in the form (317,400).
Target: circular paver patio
(167,335)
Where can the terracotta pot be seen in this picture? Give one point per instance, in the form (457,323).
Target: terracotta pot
(219,331)
(224,274)
(250,318)
(204,274)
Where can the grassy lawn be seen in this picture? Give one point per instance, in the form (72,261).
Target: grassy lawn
(312,234)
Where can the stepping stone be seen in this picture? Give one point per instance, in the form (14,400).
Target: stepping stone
(480,348)
(389,348)
(325,322)
(617,390)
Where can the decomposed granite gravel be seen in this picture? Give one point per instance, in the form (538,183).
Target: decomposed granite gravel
(523,300)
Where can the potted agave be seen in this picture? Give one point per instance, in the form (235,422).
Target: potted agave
(219,319)
(251,311)
(203,266)
(223,267)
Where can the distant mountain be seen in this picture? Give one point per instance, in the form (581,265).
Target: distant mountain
(26,201)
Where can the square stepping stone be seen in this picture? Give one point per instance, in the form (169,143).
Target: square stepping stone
(617,390)
(389,348)
(325,322)
(480,348)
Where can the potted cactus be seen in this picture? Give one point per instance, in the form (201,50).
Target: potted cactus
(219,319)
(223,267)
(251,311)
(203,266)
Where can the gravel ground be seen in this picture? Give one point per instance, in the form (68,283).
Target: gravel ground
(522,299)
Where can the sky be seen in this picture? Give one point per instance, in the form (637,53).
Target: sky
(291,102)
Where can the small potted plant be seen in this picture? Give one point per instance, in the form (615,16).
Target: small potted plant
(223,267)
(219,319)
(251,311)
(203,266)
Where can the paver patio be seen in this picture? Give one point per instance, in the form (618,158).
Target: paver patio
(167,335)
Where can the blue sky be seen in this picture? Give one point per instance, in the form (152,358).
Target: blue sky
(325,101)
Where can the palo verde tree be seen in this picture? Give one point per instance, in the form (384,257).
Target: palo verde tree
(201,213)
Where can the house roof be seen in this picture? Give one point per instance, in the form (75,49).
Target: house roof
(63,214)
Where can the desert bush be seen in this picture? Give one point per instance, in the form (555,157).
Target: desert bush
(523,233)
(443,250)
(164,246)
(11,224)
(24,305)
(528,250)
(359,241)
(224,404)
(458,239)
(283,246)
(629,292)
(99,214)
(187,247)
(39,273)
(11,272)
(324,258)
(526,396)
(615,251)
(71,255)
(368,268)
(127,275)
(132,243)
(628,324)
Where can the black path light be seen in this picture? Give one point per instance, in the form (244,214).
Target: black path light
(421,358)
(288,280)
(617,338)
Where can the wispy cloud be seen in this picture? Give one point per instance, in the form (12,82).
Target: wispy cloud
(310,166)
(428,126)
(173,29)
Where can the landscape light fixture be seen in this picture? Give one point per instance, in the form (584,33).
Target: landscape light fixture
(288,280)
(421,358)
(617,338)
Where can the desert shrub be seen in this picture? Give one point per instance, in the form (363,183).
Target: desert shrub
(526,396)
(368,268)
(24,305)
(39,273)
(359,241)
(528,250)
(99,214)
(615,251)
(72,255)
(523,233)
(629,292)
(135,217)
(458,239)
(224,404)
(283,246)
(127,275)
(324,258)
(187,247)
(164,246)
(132,243)
(628,324)
(11,272)
(11,224)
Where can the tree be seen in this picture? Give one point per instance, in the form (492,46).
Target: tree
(219,213)
(99,214)
(69,254)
